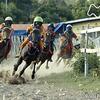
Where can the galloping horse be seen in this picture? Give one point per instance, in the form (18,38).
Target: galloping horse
(28,55)
(66,49)
(5,43)
(34,55)
(47,52)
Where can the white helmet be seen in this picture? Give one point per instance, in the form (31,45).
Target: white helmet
(8,19)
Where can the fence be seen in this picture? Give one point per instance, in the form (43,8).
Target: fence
(17,39)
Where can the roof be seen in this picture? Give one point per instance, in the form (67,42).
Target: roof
(60,28)
(83,20)
(96,29)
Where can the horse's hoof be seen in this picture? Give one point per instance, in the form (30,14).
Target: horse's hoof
(47,67)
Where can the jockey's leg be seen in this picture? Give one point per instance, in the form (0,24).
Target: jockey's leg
(26,65)
(17,64)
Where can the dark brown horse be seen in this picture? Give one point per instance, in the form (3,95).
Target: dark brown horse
(28,55)
(47,52)
(34,55)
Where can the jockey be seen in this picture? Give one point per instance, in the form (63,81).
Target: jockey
(69,34)
(6,33)
(6,29)
(37,29)
(50,31)
(50,36)
(35,40)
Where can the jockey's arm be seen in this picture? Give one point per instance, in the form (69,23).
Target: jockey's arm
(24,43)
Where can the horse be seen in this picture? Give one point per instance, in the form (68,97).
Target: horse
(47,52)
(28,55)
(66,49)
(5,44)
(35,55)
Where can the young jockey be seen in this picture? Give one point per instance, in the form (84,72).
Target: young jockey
(37,25)
(68,34)
(50,37)
(6,34)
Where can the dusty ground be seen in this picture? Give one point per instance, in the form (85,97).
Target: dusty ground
(40,90)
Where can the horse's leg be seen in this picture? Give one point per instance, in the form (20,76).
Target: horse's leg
(32,65)
(1,59)
(59,60)
(26,65)
(39,65)
(68,62)
(17,64)
(64,60)
(33,72)
(47,67)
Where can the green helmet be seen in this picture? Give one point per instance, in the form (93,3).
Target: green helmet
(38,19)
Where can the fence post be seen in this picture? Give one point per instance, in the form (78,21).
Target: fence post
(85,56)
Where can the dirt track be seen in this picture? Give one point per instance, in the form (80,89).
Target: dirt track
(41,90)
(35,90)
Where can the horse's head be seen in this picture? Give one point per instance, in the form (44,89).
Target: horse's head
(62,39)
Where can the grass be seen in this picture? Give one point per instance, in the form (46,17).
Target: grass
(70,81)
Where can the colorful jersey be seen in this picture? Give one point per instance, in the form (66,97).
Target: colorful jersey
(36,35)
(6,33)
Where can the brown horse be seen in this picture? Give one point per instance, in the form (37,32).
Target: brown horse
(28,55)
(47,52)
(66,49)
(34,55)
(5,43)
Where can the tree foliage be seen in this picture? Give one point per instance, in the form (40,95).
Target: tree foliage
(23,11)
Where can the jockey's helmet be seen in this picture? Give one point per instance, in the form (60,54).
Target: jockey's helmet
(51,25)
(69,27)
(8,20)
(38,21)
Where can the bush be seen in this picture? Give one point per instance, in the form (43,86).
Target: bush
(92,60)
